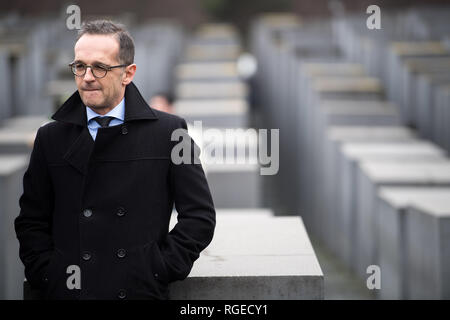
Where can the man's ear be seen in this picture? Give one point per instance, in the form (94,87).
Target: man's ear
(128,74)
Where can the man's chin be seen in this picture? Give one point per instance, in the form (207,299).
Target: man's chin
(93,104)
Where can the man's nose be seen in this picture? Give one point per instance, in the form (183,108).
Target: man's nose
(88,76)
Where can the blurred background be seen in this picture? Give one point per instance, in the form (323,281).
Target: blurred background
(363,117)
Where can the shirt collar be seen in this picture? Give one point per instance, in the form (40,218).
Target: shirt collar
(117,112)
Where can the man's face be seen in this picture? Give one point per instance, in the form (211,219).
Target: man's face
(101,94)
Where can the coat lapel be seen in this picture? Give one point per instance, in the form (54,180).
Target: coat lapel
(73,111)
(79,152)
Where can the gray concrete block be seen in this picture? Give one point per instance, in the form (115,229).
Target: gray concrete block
(234,185)
(426,104)
(17,134)
(442,113)
(225,113)
(156,56)
(373,175)
(392,208)
(5,92)
(428,254)
(12,141)
(398,52)
(316,69)
(409,95)
(211,71)
(214,31)
(370,113)
(212,52)
(12,168)
(340,134)
(343,183)
(273,259)
(351,112)
(25,123)
(328,88)
(211,90)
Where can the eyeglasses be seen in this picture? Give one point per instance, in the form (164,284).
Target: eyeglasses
(98,70)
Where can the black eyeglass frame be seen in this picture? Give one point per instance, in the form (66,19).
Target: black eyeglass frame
(107,68)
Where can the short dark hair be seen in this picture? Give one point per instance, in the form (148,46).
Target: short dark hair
(106,27)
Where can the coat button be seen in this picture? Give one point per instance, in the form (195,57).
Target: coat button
(87,213)
(122,294)
(121,253)
(124,130)
(86,256)
(120,211)
(156,275)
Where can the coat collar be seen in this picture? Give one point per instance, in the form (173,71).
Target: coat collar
(74,111)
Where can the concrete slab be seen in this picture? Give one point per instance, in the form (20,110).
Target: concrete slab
(340,134)
(328,113)
(441,128)
(373,175)
(25,123)
(12,168)
(222,113)
(212,71)
(428,253)
(325,89)
(255,257)
(393,205)
(426,103)
(315,69)
(12,141)
(211,90)
(235,185)
(212,52)
(344,183)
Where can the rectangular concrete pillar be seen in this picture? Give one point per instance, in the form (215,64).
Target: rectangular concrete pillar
(12,168)
(5,90)
(442,113)
(328,113)
(344,215)
(211,90)
(409,95)
(17,134)
(213,52)
(220,113)
(340,134)
(212,71)
(426,102)
(392,208)
(398,52)
(329,88)
(235,185)
(373,175)
(255,257)
(428,255)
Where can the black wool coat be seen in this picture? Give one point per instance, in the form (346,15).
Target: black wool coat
(104,206)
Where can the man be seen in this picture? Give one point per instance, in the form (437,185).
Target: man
(99,192)
(162,101)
